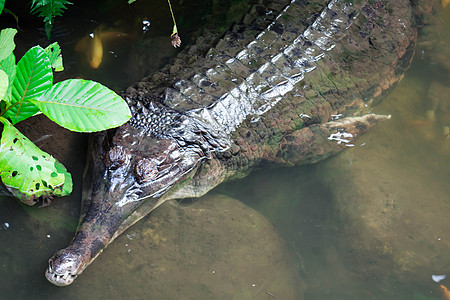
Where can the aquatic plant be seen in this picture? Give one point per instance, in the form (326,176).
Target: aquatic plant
(27,89)
(176,40)
(48,9)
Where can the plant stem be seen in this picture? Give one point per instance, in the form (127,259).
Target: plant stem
(8,107)
(173,17)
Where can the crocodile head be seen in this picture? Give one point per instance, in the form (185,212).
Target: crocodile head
(122,178)
(129,170)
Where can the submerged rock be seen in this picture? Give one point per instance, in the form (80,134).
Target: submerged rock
(392,199)
(213,248)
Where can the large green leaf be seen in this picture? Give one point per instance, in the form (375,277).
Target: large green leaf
(27,171)
(33,76)
(83,106)
(3,83)
(2,4)
(7,42)
(8,65)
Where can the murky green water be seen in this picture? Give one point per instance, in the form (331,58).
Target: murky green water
(370,223)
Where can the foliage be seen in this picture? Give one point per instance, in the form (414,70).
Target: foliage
(25,168)
(53,52)
(83,106)
(27,89)
(33,76)
(48,9)
(4,82)
(6,42)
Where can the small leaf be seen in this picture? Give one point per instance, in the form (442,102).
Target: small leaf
(48,26)
(58,64)
(131,1)
(33,76)
(3,83)
(8,65)
(2,4)
(54,54)
(83,106)
(175,30)
(7,42)
(27,171)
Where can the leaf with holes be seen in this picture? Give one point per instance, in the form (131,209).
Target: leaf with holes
(27,171)
(33,77)
(54,54)
(83,106)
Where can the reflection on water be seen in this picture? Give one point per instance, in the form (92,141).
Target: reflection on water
(370,223)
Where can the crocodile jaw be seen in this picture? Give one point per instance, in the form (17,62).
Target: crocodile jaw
(64,267)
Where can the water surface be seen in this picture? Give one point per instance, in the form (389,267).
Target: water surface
(370,223)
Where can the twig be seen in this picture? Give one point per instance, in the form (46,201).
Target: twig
(176,41)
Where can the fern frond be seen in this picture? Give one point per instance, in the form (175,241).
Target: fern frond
(48,9)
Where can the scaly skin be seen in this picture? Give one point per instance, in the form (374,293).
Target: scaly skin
(266,93)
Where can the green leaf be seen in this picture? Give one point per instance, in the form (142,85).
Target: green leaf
(33,77)
(58,64)
(27,171)
(7,42)
(48,26)
(8,65)
(3,83)
(131,1)
(54,54)
(83,106)
(2,4)
(175,30)
(48,9)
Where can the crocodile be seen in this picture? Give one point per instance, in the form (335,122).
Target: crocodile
(291,84)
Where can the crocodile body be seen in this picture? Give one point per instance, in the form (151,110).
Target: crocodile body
(289,85)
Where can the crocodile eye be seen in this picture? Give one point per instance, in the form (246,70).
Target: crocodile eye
(117,157)
(145,170)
